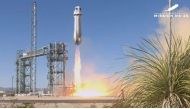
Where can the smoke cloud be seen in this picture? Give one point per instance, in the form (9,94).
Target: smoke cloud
(180,26)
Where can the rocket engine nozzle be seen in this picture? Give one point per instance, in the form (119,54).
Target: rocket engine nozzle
(77,40)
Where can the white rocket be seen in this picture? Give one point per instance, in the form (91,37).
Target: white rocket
(77,25)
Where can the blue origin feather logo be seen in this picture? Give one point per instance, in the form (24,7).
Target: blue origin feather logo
(172,14)
(172,8)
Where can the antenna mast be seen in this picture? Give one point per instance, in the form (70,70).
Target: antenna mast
(170,50)
(34,46)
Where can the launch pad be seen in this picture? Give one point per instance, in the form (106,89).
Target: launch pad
(56,54)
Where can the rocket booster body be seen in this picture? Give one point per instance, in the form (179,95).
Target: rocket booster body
(77,25)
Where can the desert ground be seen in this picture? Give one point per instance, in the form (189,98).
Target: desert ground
(56,102)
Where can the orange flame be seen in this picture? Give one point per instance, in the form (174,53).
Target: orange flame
(88,88)
(92,89)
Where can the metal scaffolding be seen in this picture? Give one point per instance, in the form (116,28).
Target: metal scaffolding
(26,63)
(56,55)
(56,63)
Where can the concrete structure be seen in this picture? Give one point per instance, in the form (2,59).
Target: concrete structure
(2,93)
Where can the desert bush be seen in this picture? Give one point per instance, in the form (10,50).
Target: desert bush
(148,82)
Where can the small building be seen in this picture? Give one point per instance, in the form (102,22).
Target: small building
(2,93)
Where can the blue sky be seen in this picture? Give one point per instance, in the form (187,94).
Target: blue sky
(107,26)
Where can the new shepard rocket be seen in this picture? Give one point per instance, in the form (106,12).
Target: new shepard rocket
(77,25)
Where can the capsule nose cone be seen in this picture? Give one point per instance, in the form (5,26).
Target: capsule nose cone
(77,10)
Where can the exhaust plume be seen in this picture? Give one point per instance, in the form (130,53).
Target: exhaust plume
(77,68)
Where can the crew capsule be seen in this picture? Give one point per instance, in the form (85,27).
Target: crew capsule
(77,25)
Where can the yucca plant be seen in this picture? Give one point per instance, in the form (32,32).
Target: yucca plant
(147,82)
